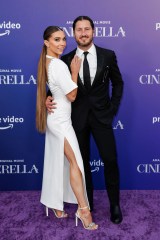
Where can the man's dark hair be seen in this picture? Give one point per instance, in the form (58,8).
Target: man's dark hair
(80,18)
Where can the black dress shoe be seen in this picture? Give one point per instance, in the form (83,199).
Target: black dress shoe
(116,214)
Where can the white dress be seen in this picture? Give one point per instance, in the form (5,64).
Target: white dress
(56,188)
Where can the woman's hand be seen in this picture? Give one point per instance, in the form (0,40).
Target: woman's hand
(75,67)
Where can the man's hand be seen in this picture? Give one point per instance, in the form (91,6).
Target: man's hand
(50,104)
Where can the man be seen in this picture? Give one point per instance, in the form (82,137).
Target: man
(94,109)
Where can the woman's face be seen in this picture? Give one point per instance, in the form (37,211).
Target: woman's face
(56,44)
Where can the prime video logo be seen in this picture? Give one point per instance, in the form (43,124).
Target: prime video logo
(6,27)
(8,122)
(156,120)
(96,165)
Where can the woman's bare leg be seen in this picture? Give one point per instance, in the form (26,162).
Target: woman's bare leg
(76,181)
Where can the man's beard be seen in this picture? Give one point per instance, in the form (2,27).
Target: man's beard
(85,44)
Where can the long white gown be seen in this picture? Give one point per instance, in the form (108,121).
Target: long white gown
(56,188)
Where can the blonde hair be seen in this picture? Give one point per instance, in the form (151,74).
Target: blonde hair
(41,112)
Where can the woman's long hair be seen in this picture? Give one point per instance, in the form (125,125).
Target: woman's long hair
(41,111)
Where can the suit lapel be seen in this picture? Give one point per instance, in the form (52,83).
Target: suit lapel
(80,83)
(100,62)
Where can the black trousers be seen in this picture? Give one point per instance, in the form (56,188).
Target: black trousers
(105,141)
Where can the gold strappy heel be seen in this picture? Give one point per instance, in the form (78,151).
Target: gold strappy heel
(91,226)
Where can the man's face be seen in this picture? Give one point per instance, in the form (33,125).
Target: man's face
(83,34)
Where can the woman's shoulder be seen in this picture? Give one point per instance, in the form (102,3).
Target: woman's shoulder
(57,66)
(57,62)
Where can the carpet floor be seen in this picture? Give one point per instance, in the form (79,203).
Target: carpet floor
(22,217)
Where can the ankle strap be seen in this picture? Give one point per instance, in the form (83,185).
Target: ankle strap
(83,207)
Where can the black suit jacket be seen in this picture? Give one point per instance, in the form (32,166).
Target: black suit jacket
(102,100)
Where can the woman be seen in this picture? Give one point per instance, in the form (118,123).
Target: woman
(63,175)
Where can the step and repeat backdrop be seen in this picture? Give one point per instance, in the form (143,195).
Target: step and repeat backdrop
(132,30)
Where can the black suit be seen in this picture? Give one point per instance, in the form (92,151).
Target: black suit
(93,112)
(98,100)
